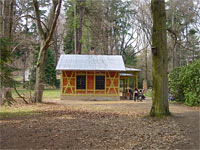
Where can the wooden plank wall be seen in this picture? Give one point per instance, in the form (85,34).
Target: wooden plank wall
(112,81)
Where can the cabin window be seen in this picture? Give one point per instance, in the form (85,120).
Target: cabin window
(100,83)
(81,82)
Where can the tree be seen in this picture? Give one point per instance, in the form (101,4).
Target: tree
(45,31)
(102,25)
(160,106)
(144,61)
(78,25)
(182,19)
(6,30)
(6,78)
(50,73)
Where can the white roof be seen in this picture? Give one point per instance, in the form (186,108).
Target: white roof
(132,69)
(91,62)
(126,74)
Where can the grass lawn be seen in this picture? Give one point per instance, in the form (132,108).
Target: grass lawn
(17,111)
(48,93)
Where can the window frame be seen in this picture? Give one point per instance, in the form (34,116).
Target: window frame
(100,88)
(79,87)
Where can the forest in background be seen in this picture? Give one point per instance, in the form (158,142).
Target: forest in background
(109,27)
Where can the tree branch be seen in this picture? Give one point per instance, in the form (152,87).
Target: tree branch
(34,19)
(38,20)
(20,95)
(17,46)
(54,22)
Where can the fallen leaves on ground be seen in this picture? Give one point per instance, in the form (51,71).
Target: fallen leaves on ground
(63,127)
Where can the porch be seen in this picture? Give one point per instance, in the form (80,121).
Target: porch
(128,79)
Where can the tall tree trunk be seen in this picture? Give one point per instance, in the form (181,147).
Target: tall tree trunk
(78,12)
(146,66)
(175,64)
(8,18)
(80,27)
(106,32)
(1,19)
(24,71)
(45,38)
(56,47)
(160,106)
(145,82)
(6,32)
(40,74)
(75,28)
(105,44)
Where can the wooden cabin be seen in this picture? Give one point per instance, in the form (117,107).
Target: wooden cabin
(91,77)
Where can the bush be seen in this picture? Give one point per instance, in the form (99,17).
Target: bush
(184,83)
(149,93)
(175,85)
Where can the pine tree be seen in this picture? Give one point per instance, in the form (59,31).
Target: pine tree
(6,78)
(50,73)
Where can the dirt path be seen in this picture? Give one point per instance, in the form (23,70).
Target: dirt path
(187,118)
(189,121)
(77,125)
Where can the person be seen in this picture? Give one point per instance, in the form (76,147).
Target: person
(141,96)
(135,94)
(170,97)
(131,93)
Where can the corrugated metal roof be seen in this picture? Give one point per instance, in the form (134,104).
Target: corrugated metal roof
(132,69)
(91,62)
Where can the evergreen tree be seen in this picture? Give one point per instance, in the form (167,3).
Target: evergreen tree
(69,38)
(106,26)
(6,78)
(50,72)
(6,37)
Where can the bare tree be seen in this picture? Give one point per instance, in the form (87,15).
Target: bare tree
(45,32)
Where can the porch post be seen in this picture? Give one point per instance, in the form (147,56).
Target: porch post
(136,80)
(127,83)
(123,93)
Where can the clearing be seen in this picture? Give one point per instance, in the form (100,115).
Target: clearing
(97,125)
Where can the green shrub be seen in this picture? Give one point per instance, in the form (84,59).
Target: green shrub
(184,83)
(149,93)
(50,70)
(175,85)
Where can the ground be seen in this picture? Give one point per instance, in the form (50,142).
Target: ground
(98,125)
